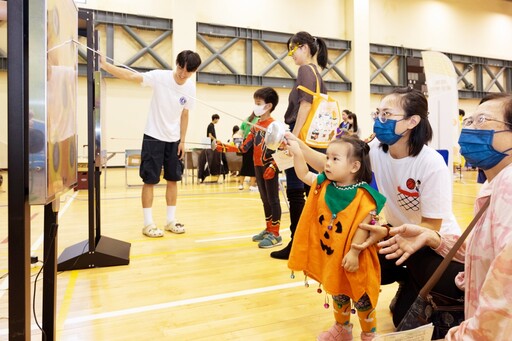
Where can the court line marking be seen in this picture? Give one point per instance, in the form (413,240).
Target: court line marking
(173,304)
(66,301)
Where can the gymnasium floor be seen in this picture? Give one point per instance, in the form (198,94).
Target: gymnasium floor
(211,283)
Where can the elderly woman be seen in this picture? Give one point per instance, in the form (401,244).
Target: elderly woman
(486,141)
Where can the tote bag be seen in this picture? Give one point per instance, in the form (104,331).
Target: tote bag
(323,118)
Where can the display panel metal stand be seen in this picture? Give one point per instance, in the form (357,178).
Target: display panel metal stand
(97,250)
(18,183)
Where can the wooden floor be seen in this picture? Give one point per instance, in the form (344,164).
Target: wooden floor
(211,283)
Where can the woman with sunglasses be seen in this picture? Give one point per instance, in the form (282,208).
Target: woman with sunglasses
(308,53)
(486,279)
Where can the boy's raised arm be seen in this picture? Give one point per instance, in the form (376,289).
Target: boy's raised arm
(120,72)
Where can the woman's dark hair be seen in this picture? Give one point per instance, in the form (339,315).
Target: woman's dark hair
(414,102)
(235,129)
(353,127)
(316,46)
(507,104)
(359,151)
(189,60)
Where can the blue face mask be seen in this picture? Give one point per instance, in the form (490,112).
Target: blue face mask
(385,132)
(476,147)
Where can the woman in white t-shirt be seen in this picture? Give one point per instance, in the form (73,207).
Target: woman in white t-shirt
(411,175)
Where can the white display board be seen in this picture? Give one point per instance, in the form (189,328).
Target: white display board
(53,72)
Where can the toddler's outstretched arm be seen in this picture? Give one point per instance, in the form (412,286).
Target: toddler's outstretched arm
(314,158)
(299,163)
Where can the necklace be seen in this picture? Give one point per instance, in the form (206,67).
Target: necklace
(348,187)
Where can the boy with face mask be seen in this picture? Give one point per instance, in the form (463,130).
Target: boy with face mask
(265,101)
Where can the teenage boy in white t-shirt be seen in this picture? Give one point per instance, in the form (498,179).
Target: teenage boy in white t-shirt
(164,136)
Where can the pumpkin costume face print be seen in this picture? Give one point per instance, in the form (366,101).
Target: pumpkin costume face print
(324,234)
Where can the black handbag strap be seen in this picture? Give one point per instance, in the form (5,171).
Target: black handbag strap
(446,261)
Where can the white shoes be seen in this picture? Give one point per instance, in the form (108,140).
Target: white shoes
(253,188)
(175,227)
(152,231)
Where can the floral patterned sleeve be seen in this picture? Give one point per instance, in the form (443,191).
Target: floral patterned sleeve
(447,242)
(493,317)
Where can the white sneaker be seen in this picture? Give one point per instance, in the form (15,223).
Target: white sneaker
(253,188)
(241,187)
(152,231)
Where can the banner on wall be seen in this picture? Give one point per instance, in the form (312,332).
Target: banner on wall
(443,102)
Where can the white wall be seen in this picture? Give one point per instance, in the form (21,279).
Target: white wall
(271,15)
(470,27)
(467,27)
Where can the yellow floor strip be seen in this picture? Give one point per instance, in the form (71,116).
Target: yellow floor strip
(66,302)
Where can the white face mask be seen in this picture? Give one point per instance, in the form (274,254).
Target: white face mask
(259,110)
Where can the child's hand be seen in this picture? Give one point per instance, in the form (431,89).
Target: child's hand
(269,173)
(290,137)
(351,261)
(293,147)
(224,148)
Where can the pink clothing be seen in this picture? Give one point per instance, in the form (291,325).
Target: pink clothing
(487,254)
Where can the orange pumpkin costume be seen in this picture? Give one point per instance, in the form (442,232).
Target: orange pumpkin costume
(324,235)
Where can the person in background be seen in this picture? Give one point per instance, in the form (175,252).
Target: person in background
(247,157)
(481,267)
(344,119)
(236,137)
(344,126)
(305,50)
(462,113)
(163,143)
(352,124)
(210,131)
(235,140)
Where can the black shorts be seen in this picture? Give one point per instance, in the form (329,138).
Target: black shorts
(157,154)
